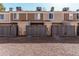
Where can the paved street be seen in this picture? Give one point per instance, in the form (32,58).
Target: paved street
(22,46)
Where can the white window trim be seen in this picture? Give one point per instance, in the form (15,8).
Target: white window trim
(4,16)
(70,16)
(37,16)
(17,16)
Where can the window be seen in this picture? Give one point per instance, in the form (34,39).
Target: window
(50,16)
(38,16)
(1,16)
(15,16)
(77,15)
(70,16)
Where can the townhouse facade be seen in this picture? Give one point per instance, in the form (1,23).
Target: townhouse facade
(39,23)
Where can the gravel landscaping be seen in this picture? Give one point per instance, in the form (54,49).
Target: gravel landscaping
(35,46)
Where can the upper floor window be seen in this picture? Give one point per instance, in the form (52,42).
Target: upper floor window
(71,16)
(15,16)
(77,15)
(50,16)
(38,16)
(1,16)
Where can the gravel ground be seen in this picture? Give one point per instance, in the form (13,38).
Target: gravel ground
(43,49)
(67,47)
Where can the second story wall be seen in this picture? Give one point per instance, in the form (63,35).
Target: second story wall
(22,16)
(45,16)
(35,16)
(57,17)
(15,16)
(70,16)
(30,16)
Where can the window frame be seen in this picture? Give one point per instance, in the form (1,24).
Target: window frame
(3,16)
(50,18)
(16,17)
(37,16)
(71,15)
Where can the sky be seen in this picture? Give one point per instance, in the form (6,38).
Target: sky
(46,6)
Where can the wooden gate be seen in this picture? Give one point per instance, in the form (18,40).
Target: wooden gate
(36,30)
(8,30)
(57,29)
(69,30)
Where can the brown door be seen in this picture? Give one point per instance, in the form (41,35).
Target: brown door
(31,16)
(41,16)
(66,16)
(36,30)
(57,29)
(22,16)
(75,16)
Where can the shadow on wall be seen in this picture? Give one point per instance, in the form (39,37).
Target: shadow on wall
(30,39)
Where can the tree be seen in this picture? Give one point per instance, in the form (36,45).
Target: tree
(1,7)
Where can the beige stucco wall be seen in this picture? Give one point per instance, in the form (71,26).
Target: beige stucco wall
(48,25)
(22,27)
(58,17)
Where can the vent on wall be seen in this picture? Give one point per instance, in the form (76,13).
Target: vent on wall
(11,9)
(52,9)
(66,9)
(18,9)
(77,10)
(38,8)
